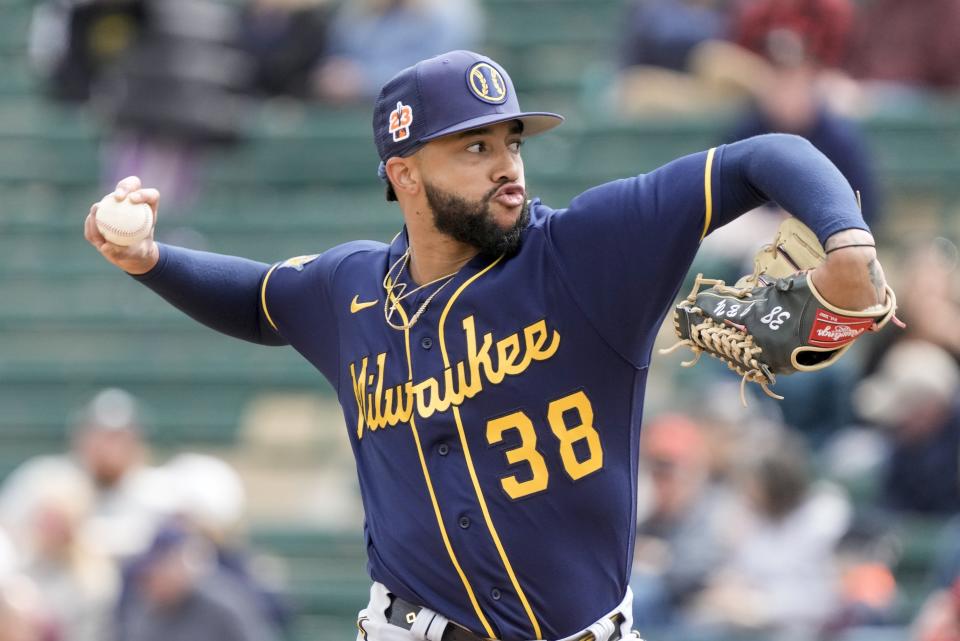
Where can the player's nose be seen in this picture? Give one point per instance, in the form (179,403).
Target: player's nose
(508,167)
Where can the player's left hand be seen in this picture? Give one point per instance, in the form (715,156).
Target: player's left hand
(778,320)
(851,276)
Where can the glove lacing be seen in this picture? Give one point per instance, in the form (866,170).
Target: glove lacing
(724,342)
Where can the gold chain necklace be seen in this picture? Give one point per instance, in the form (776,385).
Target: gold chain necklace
(396,292)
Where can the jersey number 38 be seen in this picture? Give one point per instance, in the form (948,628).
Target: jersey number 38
(567,433)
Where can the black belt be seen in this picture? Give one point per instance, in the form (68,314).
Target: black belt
(403,613)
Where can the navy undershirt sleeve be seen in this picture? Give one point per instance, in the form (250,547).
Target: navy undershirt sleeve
(792,172)
(222,292)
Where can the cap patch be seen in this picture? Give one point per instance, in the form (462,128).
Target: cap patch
(486,83)
(400,120)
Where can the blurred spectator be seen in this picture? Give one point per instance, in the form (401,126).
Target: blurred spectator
(164,74)
(371,40)
(865,557)
(211,500)
(78,583)
(674,59)
(679,539)
(22,613)
(286,39)
(914,396)
(929,295)
(909,45)
(72,42)
(177,593)
(946,564)
(824,27)
(781,579)
(663,33)
(939,619)
(174,95)
(107,457)
(788,100)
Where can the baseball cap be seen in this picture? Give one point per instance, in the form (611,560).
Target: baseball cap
(452,92)
(913,372)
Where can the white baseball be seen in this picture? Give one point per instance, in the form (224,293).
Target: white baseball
(123,223)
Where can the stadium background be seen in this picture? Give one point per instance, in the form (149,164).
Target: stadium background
(303,179)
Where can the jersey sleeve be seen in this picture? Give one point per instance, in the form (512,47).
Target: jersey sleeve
(295,302)
(624,247)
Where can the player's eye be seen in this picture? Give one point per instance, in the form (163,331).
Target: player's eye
(477,147)
(515,145)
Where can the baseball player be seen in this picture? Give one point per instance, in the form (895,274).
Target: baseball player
(491,360)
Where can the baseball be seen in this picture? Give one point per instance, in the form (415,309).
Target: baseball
(123,223)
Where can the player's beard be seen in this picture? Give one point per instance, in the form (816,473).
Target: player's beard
(473,222)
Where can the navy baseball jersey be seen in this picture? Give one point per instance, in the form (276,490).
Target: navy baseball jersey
(497,438)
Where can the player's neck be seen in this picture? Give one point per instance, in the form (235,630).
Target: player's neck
(435,255)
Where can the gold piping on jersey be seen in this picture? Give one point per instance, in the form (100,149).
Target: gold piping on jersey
(708,192)
(433,496)
(469,459)
(263,297)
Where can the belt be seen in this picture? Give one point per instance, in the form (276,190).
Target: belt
(403,613)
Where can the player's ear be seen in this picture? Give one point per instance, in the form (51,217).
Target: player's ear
(403,175)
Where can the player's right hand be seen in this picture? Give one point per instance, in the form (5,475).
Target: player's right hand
(135,259)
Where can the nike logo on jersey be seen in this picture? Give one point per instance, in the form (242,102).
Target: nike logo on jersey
(379,405)
(356,305)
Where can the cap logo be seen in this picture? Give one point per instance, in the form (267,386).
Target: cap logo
(487,84)
(400,120)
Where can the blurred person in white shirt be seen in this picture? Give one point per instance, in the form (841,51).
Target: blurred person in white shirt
(109,457)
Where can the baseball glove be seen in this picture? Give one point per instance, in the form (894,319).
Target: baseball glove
(773,321)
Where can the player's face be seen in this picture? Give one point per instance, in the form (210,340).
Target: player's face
(474,184)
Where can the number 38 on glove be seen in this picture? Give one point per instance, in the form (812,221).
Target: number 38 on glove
(773,321)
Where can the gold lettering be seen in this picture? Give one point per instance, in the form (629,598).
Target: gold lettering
(425,409)
(381,408)
(536,335)
(477,359)
(378,420)
(358,393)
(507,361)
(401,413)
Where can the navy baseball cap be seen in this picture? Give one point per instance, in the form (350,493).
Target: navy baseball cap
(452,92)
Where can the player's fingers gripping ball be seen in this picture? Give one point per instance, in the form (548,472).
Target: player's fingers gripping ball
(123,222)
(773,321)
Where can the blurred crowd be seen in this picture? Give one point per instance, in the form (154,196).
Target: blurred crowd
(97,544)
(788,520)
(777,522)
(176,78)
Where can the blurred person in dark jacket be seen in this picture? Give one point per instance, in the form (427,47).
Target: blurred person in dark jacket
(915,396)
(286,40)
(211,502)
(72,42)
(177,593)
(177,92)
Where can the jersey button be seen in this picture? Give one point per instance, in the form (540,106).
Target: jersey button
(495,594)
(426,342)
(464,522)
(443,449)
